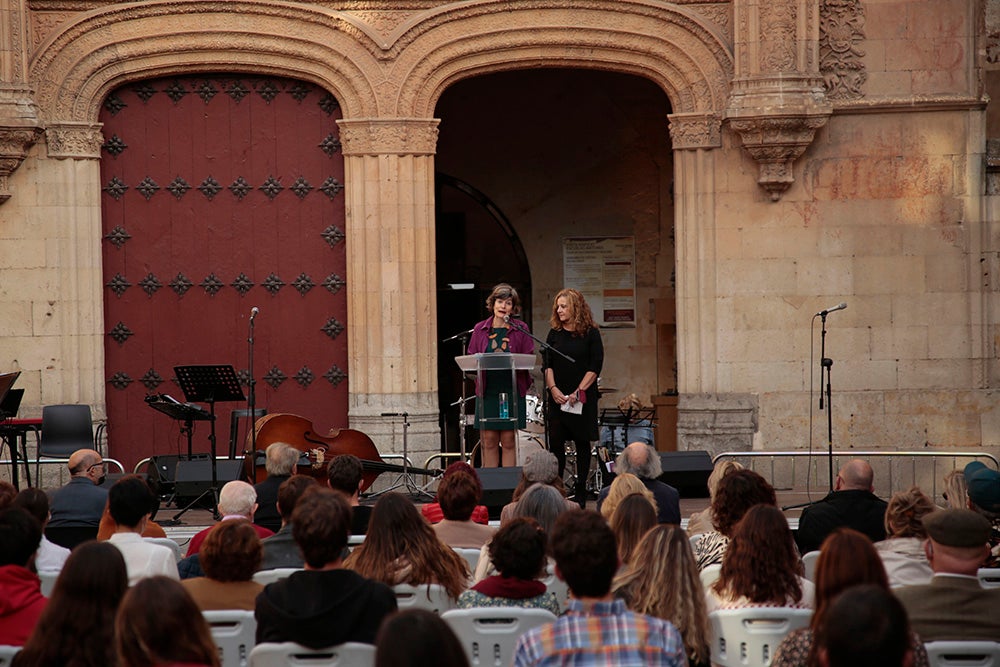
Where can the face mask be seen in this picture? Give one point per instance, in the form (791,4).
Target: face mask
(100,480)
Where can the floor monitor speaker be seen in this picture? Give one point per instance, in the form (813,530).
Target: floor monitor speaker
(194,477)
(498,486)
(687,472)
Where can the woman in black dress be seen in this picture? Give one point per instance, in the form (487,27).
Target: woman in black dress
(571,383)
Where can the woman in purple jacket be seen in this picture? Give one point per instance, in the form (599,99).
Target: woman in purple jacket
(501,333)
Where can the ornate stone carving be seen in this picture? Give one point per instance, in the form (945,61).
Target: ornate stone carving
(20,128)
(840,60)
(775,142)
(398,136)
(74,140)
(692,131)
(777,36)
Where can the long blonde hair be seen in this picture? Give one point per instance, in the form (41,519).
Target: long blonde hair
(625,484)
(663,581)
(956,491)
(582,319)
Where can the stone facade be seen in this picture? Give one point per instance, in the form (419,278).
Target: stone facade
(823,151)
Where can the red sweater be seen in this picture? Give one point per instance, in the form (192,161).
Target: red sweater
(21,603)
(432,512)
(199,537)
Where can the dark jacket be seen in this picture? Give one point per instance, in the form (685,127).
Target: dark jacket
(861,510)
(267,503)
(281,550)
(668,500)
(79,503)
(324,608)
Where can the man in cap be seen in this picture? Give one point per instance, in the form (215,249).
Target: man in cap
(954,605)
(984,498)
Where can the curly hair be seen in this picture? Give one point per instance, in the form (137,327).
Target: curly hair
(585,551)
(905,511)
(399,541)
(231,551)
(458,494)
(761,562)
(663,581)
(737,492)
(632,519)
(518,549)
(580,316)
(624,485)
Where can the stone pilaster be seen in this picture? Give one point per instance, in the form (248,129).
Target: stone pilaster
(392,332)
(716,423)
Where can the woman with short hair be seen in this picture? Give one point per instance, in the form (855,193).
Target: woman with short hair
(229,556)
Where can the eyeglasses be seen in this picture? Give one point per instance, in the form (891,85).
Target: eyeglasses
(96,465)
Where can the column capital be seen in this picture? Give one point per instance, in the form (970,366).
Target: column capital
(74,140)
(691,131)
(396,136)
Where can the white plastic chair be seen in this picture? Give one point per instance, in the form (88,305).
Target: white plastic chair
(989,577)
(432,597)
(489,634)
(748,637)
(265,577)
(554,584)
(471,557)
(48,579)
(710,574)
(169,543)
(7,654)
(284,654)
(964,653)
(234,632)
(809,563)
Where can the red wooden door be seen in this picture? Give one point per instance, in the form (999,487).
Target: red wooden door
(219,194)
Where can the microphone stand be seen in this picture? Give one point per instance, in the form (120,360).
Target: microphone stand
(543,348)
(463,338)
(826,365)
(252,400)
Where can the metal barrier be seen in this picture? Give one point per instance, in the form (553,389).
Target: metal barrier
(924,470)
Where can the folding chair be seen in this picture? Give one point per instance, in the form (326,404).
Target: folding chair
(489,634)
(7,654)
(809,563)
(989,577)
(265,577)
(554,584)
(710,574)
(432,597)
(748,637)
(471,557)
(290,654)
(234,632)
(963,653)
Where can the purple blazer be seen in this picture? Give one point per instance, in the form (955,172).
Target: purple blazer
(520,343)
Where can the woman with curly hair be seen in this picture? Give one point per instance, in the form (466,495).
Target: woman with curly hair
(572,385)
(846,558)
(401,548)
(632,519)
(229,556)
(83,604)
(663,581)
(737,492)
(623,485)
(761,566)
(902,551)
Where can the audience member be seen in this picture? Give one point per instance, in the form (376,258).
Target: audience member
(852,503)
(159,625)
(624,484)
(597,629)
(7,494)
(632,519)
(761,566)
(281,550)
(107,526)
(432,511)
(643,461)
(237,502)
(954,605)
(847,558)
(325,604)
(83,604)
(703,521)
(129,501)
(865,627)
(50,557)
(517,552)
(402,548)
(902,551)
(229,556)
(541,467)
(458,494)
(280,460)
(345,473)
(662,581)
(21,600)
(416,638)
(955,493)
(738,491)
(80,503)
(984,497)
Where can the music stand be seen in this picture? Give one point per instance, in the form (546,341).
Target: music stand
(209,384)
(7,381)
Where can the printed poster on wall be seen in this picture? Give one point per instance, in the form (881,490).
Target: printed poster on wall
(603,270)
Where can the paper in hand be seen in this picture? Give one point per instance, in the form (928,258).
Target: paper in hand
(576,408)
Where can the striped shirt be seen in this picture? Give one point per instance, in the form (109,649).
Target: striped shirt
(602,633)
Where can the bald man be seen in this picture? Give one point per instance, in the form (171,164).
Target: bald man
(237,501)
(852,503)
(81,502)
(643,461)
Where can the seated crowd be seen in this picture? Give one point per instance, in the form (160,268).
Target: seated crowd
(640,590)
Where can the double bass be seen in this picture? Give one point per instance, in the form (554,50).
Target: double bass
(317,450)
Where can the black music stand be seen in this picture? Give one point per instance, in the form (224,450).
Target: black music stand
(209,384)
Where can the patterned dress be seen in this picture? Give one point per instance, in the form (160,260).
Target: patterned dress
(794,650)
(546,601)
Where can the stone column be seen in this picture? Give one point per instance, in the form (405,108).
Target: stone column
(391,301)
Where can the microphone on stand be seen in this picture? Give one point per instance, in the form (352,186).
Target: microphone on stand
(839,306)
(253,312)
